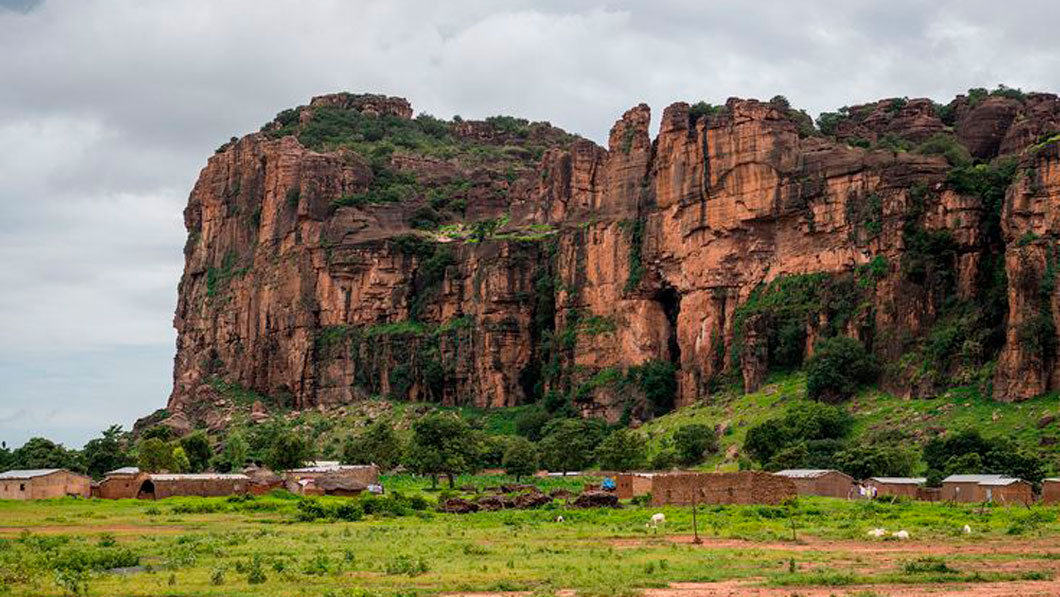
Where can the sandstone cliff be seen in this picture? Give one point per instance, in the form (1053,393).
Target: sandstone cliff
(349,250)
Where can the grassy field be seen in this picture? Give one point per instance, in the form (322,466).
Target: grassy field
(219,546)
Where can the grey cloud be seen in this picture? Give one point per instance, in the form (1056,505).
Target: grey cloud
(110,108)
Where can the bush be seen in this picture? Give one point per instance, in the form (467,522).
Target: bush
(819,427)
(692,443)
(405,564)
(658,380)
(838,368)
(665,460)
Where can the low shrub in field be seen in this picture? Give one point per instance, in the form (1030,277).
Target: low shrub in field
(928,565)
(256,574)
(405,564)
(396,504)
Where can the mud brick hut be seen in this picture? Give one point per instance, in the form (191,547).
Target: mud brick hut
(631,485)
(900,486)
(44,483)
(262,480)
(821,482)
(1051,490)
(160,486)
(331,478)
(745,487)
(120,484)
(986,488)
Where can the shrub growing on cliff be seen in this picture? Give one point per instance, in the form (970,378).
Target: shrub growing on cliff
(658,380)
(838,368)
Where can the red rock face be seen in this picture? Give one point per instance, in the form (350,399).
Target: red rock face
(604,259)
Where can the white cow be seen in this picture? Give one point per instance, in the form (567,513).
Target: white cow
(901,535)
(877,533)
(967,530)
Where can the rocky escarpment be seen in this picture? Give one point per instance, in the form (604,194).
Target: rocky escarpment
(349,250)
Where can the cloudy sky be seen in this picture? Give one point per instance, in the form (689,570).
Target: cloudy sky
(109,108)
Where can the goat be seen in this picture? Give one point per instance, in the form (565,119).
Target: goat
(967,530)
(656,520)
(877,533)
(901,535)
(559,518)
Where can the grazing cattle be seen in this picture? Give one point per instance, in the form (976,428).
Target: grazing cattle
(967,530)
(901,535)
(877,533)
(559,519)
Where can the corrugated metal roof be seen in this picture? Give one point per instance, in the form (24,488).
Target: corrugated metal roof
(331,468)
(1051,479)
(804,473)
(900,480)
(28,473)
(981,479)
(125,470)
(198,477)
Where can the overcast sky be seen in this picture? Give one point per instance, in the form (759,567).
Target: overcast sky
(109,108)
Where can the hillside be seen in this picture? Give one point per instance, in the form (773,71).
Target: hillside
(350,251)
(1030,423)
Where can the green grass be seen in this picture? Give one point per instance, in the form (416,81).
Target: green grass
(188,545)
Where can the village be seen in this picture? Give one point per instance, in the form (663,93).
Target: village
(332,478)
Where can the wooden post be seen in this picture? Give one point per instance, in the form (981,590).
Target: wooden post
(695,527)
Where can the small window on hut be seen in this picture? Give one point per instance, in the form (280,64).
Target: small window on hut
(22,487)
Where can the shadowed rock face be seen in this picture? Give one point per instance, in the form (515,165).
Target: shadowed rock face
(348,251)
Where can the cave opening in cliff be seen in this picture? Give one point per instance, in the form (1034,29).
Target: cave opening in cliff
(670,301)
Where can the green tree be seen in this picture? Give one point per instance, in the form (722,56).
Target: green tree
(234,455)
(622,450)
(664,460)
(181,463)
(531,422)
(568,444)
(6,459)
(155,456)
(521,458)
(107,452)
(838,368)
(39,452)
(197,448)
(821,427)
(876,460)
(288,450)
(379,445)
(693,442)
(442,444)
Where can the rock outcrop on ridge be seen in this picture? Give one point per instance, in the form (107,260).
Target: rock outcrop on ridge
(349,250)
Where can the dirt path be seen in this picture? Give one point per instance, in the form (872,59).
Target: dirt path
(741,589)
(745,588)
(808,543)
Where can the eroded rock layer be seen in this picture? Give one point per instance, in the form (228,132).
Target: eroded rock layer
(348,251)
